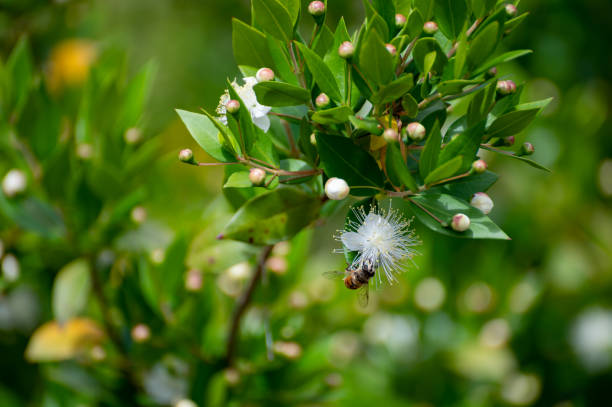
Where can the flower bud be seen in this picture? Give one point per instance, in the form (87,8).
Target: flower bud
(185,403)
(416,131)
(479,166)
(290,350)
(509,141)
(233,106)
(391,48)
(138,214)
(491,73)
(511,10)
(186,156)
(10,268)
(14,183)
(527,149)
(400,20)
(277,264)
(313,139)
(346,50)
(336,189)
(265,75)
(232,376)
(194,280)
(483,202)
(84,151)
(506,87)
(430,27)
(322,101)
(316,8)
(141,333)
(391,135)
(460,222)
(257,176)
(132,135)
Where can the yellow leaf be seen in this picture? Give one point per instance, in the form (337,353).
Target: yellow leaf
(53,341)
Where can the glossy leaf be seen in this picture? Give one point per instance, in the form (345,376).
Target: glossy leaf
(425,46)
(516,121)
(503,58)
(425,8)
(454,86)
(273,217)
(335,115)
(527,161)
(273,18)
(323,76)
(205,134)
(466,145)
(375,62)
(250,45)
(445,170)
(278,94)
(465,188)
(429,156)
(393,91)
(397,170)
(483,45)
(451,16)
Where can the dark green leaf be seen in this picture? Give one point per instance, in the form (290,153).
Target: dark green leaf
(425,8)
(386,9)
(292,164)
(515,22)
(375,62)
(454,86)
(273,217)
(410,106)
(498,60)
(451,16)
(250,45)
(397,170)
(481,104)
(341,158)
(323,76)
(429,157)
(277,94)
(483,45)
(516,157)
(425,46)
(19,70)
(465,188)
(282,64)
(369,125)
(465,145)
(516,121)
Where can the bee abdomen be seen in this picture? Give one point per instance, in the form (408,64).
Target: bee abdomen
(351,282)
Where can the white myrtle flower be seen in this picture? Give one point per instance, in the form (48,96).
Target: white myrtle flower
(259,113)
(380,237)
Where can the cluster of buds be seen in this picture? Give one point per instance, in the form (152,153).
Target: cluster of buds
(506,87)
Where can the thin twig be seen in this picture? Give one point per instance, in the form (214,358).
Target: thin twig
(242,305)
(456,177)
(294,150)
(428,212)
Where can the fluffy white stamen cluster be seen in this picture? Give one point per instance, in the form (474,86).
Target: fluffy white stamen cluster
(381,237)
(259,112)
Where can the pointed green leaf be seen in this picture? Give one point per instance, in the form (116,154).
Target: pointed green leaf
(397,170)
(250,45)
(445,170)
(483,45)
(425,46)
(335,115)
(393,91)
(205,134)
(323,76)
(431,152)
(451,16)
(273,18)
(375,62)
(277,94)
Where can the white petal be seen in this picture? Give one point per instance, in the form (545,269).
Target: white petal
(262,122)
(352,241)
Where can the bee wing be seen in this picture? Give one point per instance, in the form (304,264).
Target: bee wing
(363,295)
(335,274)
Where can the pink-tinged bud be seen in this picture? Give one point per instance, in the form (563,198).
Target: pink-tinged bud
(506,87)
(391,48)
(141,333)
(84,151)
(346,50)
(257,176)
(186,156)
(492,72)
(527,149)
(233,106)
(264,75)
(511,10)
(391,135)
(509,141)
(430,27)
(416,131)
(194,280)
(479,166)
(322,101)
(277,264)
(483,202)
(336,189)
(132,135)
(460,222)
(316,8)
(290,350)
(400,20)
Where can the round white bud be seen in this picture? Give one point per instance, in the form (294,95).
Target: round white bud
(460,222)
(400,20)
(186,156)
(336,189)
(132,135)
(511,10)
(194,280)
(416,131)
(483,202)
(10,268)
(346,49)
(479,166)
(322,100)
(430,27)
(391,135)
(232,106)
(257,176)
(391,48)
(265,75)
(141,333)
(14,183)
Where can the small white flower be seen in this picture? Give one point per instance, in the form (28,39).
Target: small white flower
(14,183)
(483,202)
(381,237)
(259,113)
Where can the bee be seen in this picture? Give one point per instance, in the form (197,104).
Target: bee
(356,279)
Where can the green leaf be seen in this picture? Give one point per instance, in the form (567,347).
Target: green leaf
(445,170)
(371,126)
(341,158)
(375,62)
(451,16)
(444,207)
(460,55)
(454,86)
(293,7)
(428,63)
(397,170)
(410,106)
(483,45)
(323,76)
(481,104)
(71,290)
(241,124)
(239,179)
(335,115)
(250,45)
(282,64)
(292,164)
(277,94)
(425,8)
(465,145)
(273,18)
(482,7)
(465,188)
(393,91)
(386,9)
(425,46)
(415,24)
(334,61)
(34,215)
(376,23)
(273,217)
(515,22)
(19,70)
(431,152)
(205,134)
(516,121)
(516,157)
(503,58)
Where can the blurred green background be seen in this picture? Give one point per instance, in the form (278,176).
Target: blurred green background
(525,322)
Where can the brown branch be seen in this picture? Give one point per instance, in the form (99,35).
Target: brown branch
(294,150)
(243,304)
